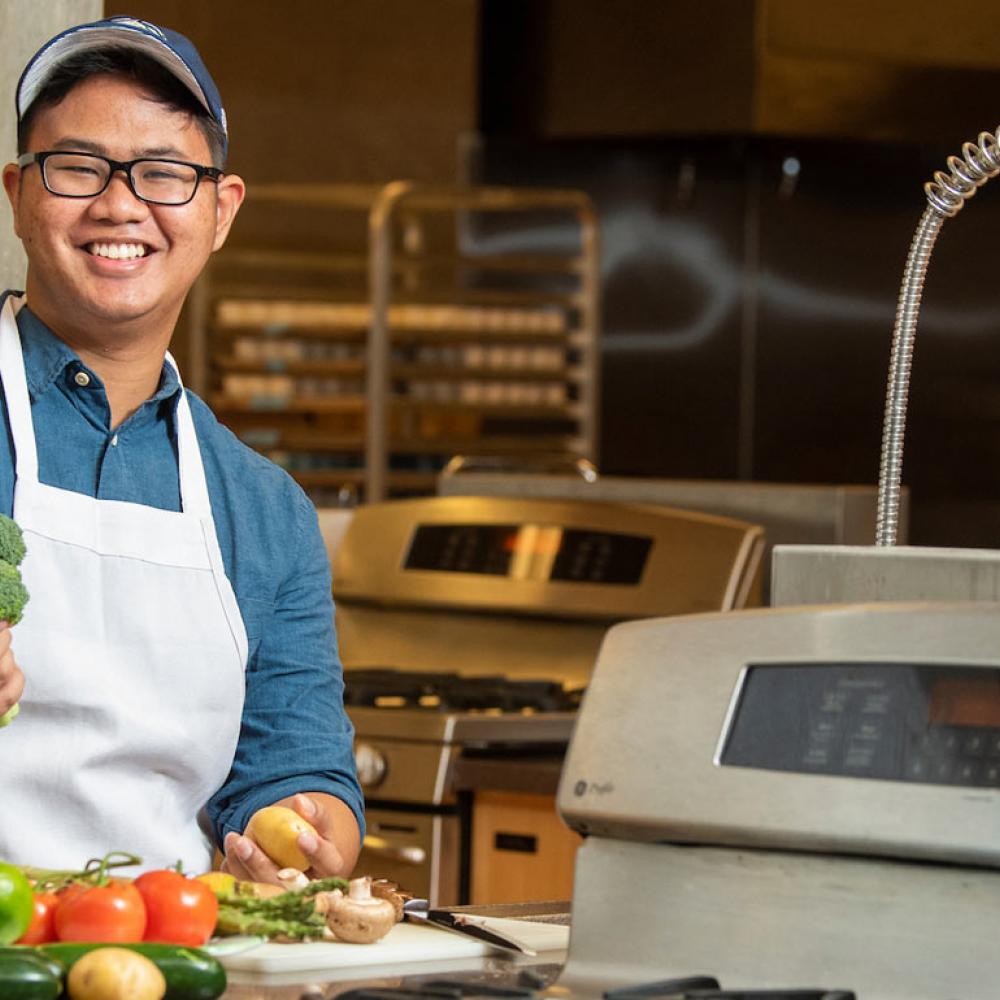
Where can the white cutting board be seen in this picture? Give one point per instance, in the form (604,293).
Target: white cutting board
(405,943)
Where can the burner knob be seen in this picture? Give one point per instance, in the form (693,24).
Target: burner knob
(371,765)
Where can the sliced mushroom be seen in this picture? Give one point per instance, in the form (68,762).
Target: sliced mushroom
(359,917)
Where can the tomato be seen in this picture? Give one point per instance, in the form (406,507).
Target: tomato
(179,910)
(42,928)
(112,913)
(16,904)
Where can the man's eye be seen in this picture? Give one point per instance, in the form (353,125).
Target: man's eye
(77,170)
(158,175)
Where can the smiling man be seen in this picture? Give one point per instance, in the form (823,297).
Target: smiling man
(176,667)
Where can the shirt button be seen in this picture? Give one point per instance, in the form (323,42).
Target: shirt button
(114,441)
(81,378)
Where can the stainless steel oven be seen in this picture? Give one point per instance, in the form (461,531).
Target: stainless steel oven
(471,625)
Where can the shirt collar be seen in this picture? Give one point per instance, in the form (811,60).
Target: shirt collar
(46,357)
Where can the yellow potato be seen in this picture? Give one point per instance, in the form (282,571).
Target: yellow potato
(276,830)
(115,974)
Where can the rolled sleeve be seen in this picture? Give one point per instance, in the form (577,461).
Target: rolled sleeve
(295,735)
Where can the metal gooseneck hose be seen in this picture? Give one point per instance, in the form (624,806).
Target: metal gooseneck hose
(946,195)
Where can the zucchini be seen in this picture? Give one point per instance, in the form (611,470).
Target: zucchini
(25,975)
(190,973)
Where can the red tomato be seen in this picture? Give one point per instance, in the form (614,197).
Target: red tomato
(179,910)
(42,928)
(112,913)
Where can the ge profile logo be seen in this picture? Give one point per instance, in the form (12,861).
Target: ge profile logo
(582,787)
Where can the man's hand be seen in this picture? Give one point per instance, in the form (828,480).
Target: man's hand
(333,852)
(11,678)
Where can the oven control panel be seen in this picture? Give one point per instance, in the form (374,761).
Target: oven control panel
(892,721)
(871,729)
(553,558)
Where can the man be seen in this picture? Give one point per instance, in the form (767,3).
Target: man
(180,668)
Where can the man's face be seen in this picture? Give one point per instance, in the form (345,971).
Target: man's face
(74,282)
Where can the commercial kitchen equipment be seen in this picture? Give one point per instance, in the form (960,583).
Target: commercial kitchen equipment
(779,804)
(359,337)
(826,514)
(805,797)
(468,627)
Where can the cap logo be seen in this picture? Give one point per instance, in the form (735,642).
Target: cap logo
(144,26)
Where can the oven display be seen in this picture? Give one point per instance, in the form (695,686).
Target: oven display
(898,722)
(529,552)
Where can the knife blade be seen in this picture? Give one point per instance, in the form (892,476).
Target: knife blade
(420,911)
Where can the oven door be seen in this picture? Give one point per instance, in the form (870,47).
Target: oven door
(422,850)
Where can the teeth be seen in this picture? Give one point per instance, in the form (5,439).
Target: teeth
(117,251)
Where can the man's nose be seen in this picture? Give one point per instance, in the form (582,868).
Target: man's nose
(117,201)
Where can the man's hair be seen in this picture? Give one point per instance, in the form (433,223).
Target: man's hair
(145,71)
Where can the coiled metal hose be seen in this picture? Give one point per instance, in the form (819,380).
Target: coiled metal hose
(946,195)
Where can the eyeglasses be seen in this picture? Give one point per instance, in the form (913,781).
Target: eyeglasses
(86,175)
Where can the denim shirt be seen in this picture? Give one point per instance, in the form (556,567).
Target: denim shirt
(295,735)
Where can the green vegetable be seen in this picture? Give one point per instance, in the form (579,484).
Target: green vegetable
(55,966)
(291,915)
(17,903)
(27,976)
(13,595)
(11,541)
(189,972)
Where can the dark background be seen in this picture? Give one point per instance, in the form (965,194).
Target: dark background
(758,166)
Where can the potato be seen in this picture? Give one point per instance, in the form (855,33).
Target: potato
(115,974)
(276,829)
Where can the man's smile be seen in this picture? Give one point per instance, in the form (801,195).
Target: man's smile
(117,251)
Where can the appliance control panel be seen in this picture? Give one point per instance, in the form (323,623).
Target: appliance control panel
(547,558)
(870,729)
(936,723)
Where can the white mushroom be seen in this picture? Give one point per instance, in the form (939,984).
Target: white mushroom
(359,917)
(292,878)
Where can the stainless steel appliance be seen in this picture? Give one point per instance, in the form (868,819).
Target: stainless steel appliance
(514,596)
(804,797)
(790,513)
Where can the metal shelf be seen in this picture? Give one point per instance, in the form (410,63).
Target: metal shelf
(418,343)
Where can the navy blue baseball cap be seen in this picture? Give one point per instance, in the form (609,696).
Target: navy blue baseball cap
(172,50)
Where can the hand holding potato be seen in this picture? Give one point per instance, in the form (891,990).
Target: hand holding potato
(315,833)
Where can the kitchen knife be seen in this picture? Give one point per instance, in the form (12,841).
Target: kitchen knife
(420,911)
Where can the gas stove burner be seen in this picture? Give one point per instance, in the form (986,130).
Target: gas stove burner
(452,692)
(528,987)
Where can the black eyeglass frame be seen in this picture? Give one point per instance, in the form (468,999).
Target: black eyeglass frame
(126,167)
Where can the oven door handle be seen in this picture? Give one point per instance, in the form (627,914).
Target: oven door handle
(407,854)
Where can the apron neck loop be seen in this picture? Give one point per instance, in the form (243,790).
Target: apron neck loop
(15,387)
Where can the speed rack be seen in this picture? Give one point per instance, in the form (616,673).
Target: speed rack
(363,336)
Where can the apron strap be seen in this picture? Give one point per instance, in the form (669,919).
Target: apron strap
(191,471)
(194,488)
(15,387)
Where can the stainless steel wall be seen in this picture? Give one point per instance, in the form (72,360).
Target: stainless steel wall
(749,293)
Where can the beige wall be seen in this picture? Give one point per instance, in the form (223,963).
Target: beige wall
(24,26)
(335,90)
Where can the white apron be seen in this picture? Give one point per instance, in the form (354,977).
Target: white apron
(133,651)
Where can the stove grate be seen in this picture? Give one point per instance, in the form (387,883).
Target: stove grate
(386,687)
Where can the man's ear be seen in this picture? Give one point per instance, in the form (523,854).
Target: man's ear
(231,192)
(12,185)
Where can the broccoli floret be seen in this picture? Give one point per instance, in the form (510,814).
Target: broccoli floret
(11,541)
(13,595)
